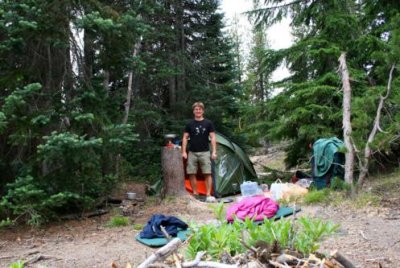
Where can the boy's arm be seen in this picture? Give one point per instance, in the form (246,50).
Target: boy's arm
(184,144)
(213,145)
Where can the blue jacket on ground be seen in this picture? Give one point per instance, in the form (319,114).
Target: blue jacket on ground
(153,227)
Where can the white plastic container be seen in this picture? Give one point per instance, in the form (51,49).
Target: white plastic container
(249,188)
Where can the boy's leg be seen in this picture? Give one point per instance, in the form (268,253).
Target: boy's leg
(209,198)
(205,162)
(208,179)
(191,170)
(193,183)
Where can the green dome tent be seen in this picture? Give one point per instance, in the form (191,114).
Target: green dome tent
(231,169)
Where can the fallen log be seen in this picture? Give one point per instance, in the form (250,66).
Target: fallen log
(77,216)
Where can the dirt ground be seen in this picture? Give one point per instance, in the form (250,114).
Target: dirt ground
(370,237)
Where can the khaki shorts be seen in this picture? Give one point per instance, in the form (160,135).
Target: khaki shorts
(196,158)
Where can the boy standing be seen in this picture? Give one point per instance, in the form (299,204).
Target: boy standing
(196,133)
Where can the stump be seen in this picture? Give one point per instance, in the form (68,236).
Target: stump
(173,172)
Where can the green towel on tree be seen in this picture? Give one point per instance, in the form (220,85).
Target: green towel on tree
(324,150)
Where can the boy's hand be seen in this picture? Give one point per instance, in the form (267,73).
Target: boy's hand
(184,155)
(214,156)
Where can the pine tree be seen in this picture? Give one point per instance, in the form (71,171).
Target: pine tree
(310,105)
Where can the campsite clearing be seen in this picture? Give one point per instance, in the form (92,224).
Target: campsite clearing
(368,236)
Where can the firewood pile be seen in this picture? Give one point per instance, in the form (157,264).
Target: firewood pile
(256,257)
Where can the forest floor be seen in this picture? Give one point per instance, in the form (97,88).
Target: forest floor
(369,236)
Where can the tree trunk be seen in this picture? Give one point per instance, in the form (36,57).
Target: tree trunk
(349,163)
(172,85)
(89,55)
(129,91)
(106,81)
(173,172)
(128,102)
(181,52)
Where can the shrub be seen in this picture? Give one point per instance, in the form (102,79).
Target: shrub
(26,197)
(339,184)
(118,221)
(317,196)
(366,199)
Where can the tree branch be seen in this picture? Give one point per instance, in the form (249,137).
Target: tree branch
(375,128)
(277,6)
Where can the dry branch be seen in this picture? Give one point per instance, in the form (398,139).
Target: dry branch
(196,260)
(162,252)
(375,129)
(41,257)
(212,264)
(7,257)
(342,259)
(277,264)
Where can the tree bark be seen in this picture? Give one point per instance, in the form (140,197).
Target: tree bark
(128,101)
(106,81)
(181,52)
(347,129)
(172,84)
(367,150)
(129,91)
(173,172)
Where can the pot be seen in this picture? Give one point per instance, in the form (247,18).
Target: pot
(130,195)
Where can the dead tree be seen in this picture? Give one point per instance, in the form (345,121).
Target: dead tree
(173,172)
(364,163)
(365,159)
(349,164)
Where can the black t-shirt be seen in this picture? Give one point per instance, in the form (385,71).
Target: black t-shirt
(198,134)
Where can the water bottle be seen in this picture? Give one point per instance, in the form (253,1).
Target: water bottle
(249,188)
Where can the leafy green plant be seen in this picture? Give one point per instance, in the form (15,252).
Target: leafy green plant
(339,184)
(118,221)
(316,228)
(310,232)
(6,223)
(17,264)
(219,211)
(215,239)
(138,227)
(303,236)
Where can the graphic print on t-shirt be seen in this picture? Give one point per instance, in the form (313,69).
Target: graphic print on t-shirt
(198,128)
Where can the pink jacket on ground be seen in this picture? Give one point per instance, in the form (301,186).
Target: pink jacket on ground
(257,206)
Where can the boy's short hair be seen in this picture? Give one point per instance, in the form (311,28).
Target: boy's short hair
(198,104)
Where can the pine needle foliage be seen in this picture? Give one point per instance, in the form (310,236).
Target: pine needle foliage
(309,105)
